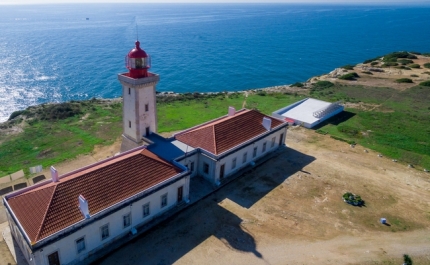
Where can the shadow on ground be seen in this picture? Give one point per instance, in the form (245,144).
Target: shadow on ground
(174,238)
(336,120)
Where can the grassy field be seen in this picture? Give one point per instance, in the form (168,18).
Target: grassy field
(395,123)
(389,121)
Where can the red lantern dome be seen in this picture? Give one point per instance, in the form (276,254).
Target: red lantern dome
(137,62)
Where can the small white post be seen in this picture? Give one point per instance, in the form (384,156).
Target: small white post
(83,206)
(231,111)
(54,174)
(267,123)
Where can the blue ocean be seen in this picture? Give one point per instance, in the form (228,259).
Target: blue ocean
(54,53)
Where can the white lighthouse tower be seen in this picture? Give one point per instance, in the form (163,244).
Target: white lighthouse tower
(139,100)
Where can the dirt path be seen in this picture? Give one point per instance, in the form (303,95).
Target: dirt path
(289,211)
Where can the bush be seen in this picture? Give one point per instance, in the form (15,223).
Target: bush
(416,53)
(349,76)
(374,63)
(297,84)
(414,76)
(352,199)
(322,84)
(16,114)
(405,61)
(388,64)
(425,83)
(427,65)
(348,130)
(404,80)
(367,73)
(392,57)
(348,67)
(414,65)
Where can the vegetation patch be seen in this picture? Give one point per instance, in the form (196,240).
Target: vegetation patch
(353,199)
(348,67)
(374,63)
(372,60)
(425,83)
(414,76)
(389,64)
(427,65)
(414,65)
(405,61)
(349,76)
(392,57)
(322,85)
(404,80)
(367,73)
(297,84)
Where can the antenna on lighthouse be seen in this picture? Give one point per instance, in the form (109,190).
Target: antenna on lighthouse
(137,32)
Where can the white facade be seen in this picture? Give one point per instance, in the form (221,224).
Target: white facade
(91,229)
(209,166)
(139,106)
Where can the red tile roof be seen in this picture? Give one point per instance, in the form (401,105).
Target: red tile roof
(223,134)
(53,206)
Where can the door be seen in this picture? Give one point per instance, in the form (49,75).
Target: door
(147,131)
(280,139)
(53,259)
(221,172)
(180,192)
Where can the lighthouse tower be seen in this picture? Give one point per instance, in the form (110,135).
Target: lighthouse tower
(139,101)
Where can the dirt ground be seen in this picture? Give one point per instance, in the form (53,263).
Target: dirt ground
(290,211)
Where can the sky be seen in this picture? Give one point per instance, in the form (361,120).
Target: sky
(20,2)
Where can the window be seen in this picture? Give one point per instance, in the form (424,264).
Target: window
(244,157)
(233,164)
(146,107)
(146,210)
(129,124)
(206,168)
(164,200)
(104,230)
(80,244)
(264,147)
(126,220)
(129,91)
(254,153)
(192,166)
(273,142)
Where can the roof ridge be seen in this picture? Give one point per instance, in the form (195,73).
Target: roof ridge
(46,213)
(214,138)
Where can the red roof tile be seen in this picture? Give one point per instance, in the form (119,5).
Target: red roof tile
(225,133)
(52,207)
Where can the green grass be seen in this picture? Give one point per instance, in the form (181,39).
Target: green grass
(397,127)
(47,142)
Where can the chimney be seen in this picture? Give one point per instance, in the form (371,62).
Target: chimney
(83,206)
(267,123)
(231,111)
(54,174)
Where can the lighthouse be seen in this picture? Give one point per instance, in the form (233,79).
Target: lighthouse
(139,100)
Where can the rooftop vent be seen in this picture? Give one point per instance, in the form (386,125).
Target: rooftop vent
(231,111)
(267,123)
(83,206)
(54,174)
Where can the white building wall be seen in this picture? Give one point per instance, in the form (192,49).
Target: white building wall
(210,175)
(228,160)
(135,117)
(67,248)
(188,161)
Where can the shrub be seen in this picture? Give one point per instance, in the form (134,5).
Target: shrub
(297,84)
(348,67)
(388,64)
(349,76)
(427,65)
(367,73)
(322,84)
(416,53)
(262,93)
(407,260)
(374,63)
(352,199)
(414,65)
(348,130)
(425,83)
(414,75)
(428,73)
(392,57)
(404,80)
(405,61)
(16,114)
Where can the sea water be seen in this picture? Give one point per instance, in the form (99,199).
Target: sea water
(55,53)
